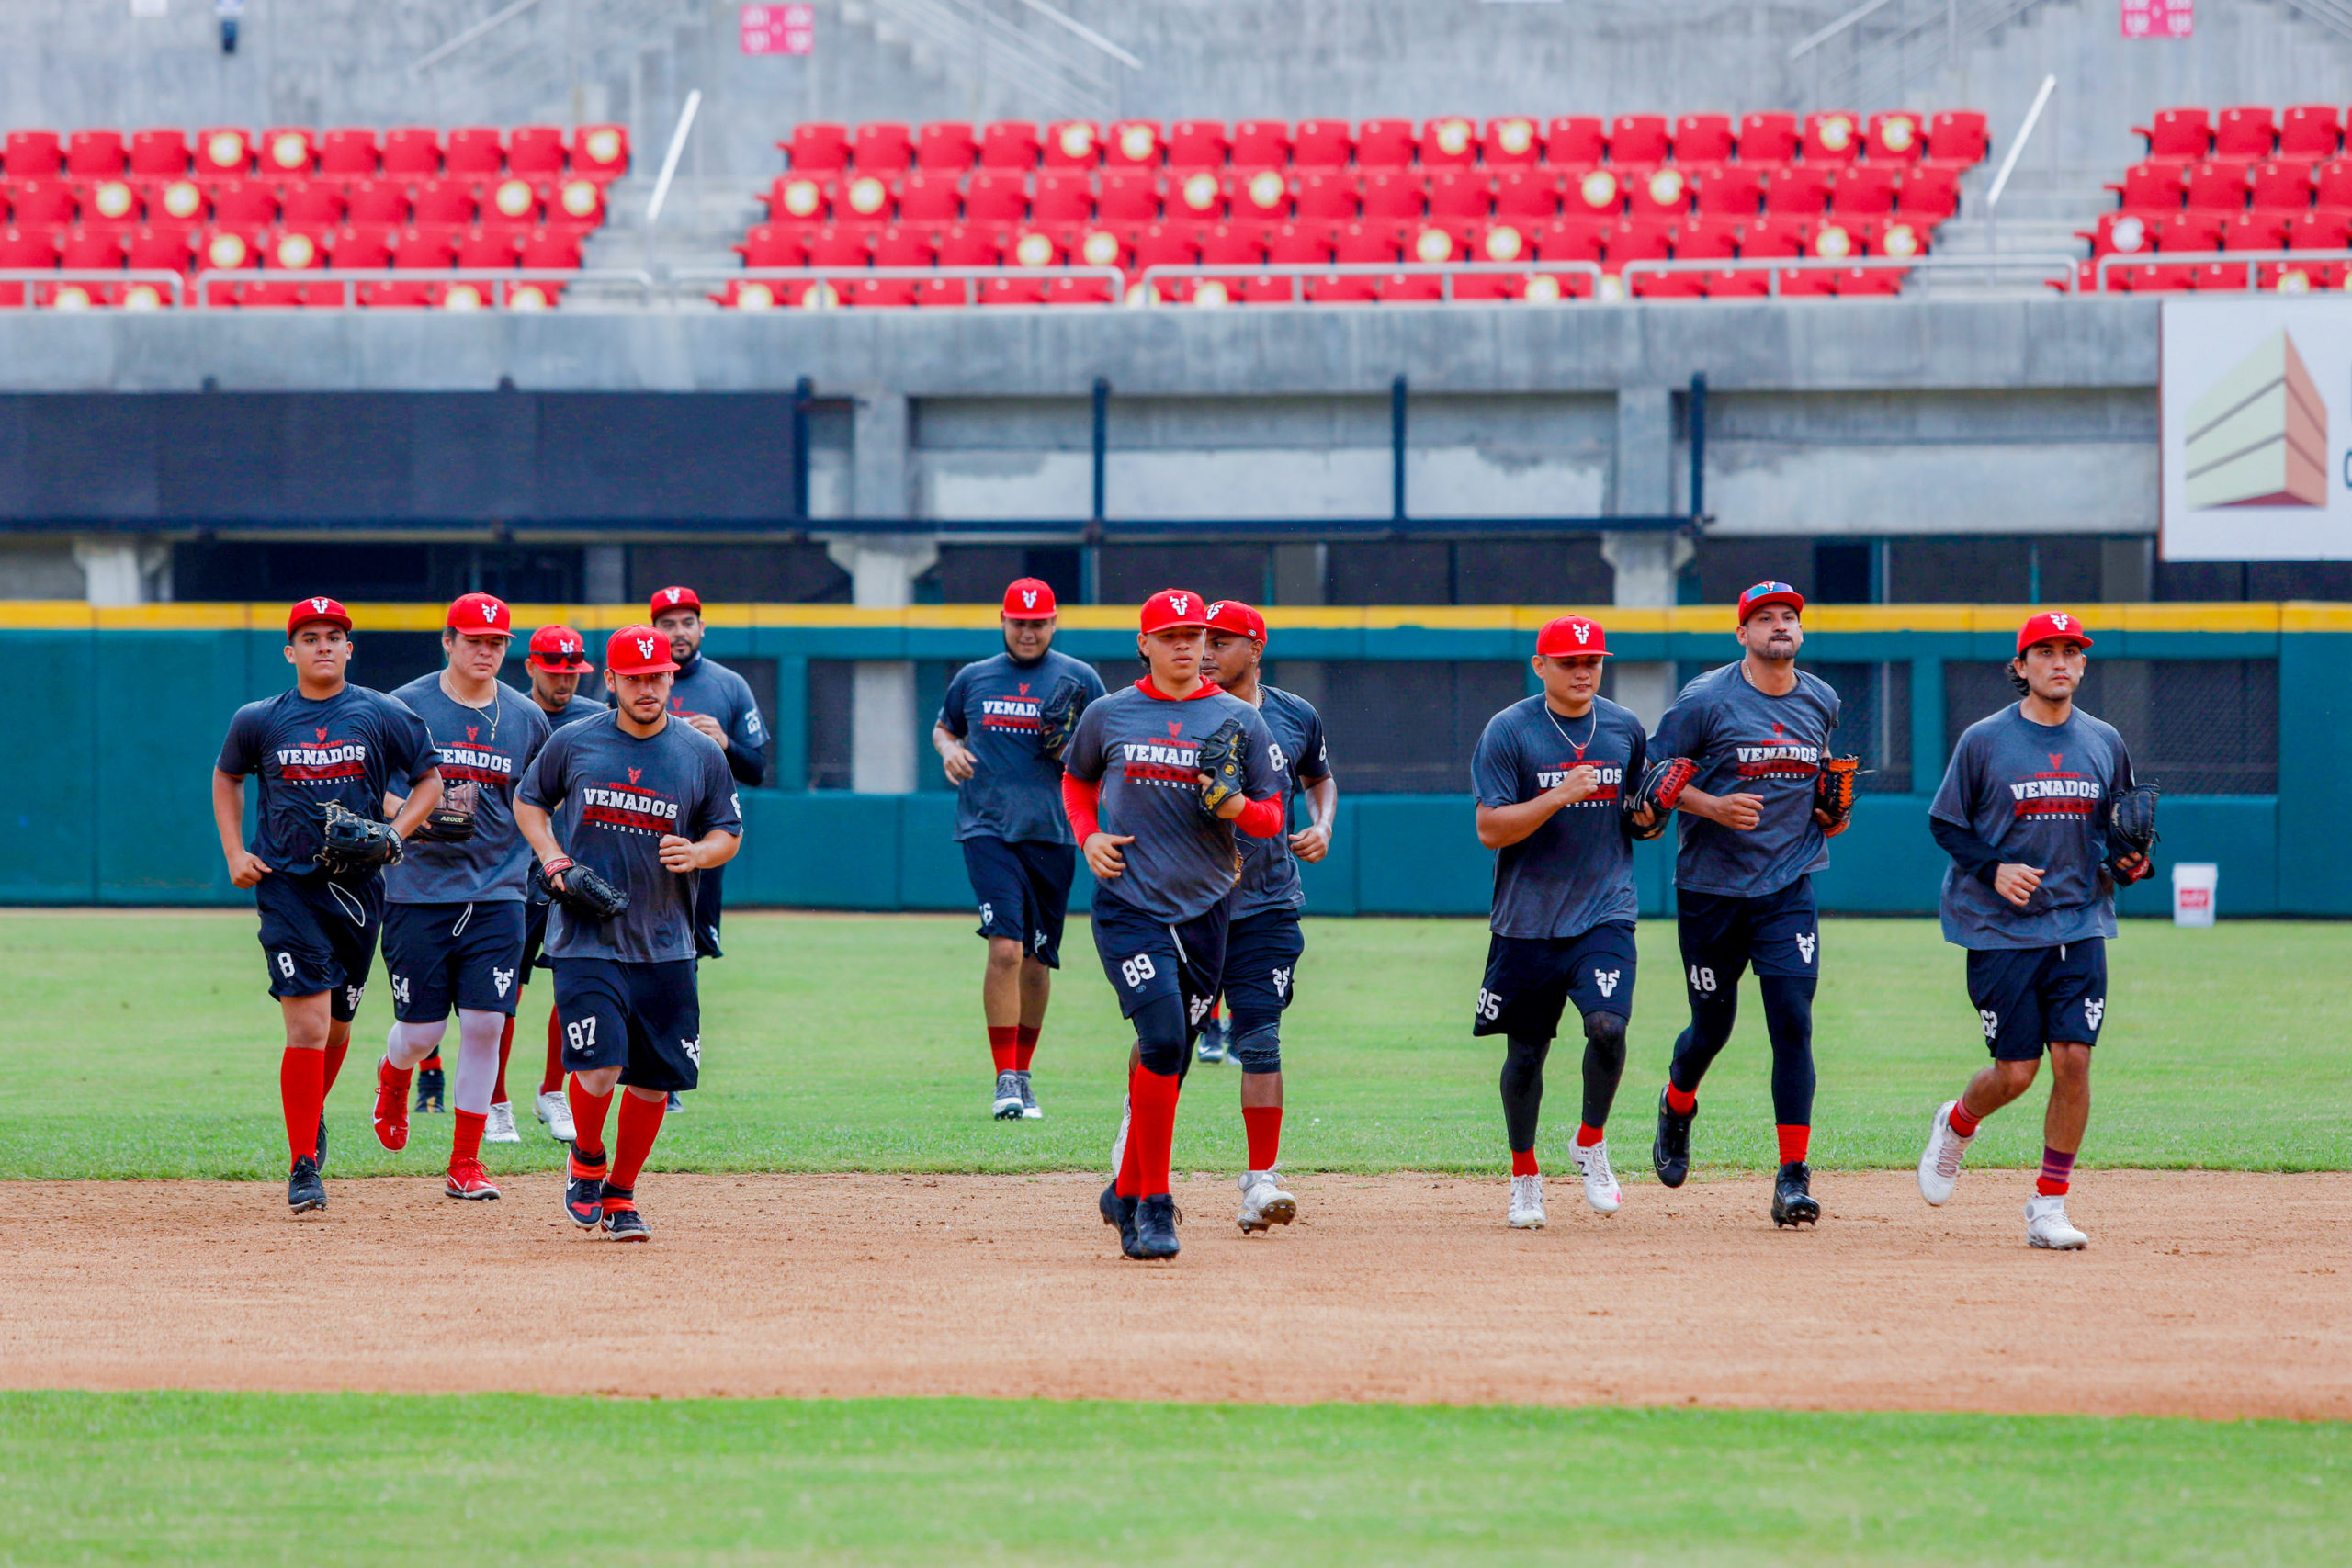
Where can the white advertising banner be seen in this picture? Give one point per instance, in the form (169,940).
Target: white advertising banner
(2255,402)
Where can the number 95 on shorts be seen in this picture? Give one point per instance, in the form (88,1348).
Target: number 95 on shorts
(645,1019)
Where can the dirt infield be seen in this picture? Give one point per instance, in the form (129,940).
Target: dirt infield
(2213,1295)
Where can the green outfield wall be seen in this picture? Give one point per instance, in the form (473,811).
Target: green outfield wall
(128,706)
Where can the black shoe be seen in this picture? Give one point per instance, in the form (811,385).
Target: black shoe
(429,1086)
(1156,1227)
(622,1222)
(304,1190)
(1670,1150)
(1120,1212)
(322,1140)
(583,1196)
(1792,1201)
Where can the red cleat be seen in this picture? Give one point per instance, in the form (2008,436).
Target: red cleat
(392,1106)
(469,1179)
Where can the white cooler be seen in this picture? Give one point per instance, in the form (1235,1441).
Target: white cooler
(2193,883)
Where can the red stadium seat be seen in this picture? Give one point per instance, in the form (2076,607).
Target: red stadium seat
(1392,195)
(1366,245)
(600,152)
(377,203)
(774,244)
(1769,137)
(1732,190)
(1531,196)
(1064,195)
(2331,185)
(1895,137)
(490,248)
(1079,291)
(1451,143)
(28,250)
(1835,239)
(2298,277)
(816,148)
(905,247)
(2254,232)
(2311,131)
(158,154)
(111,204)
(799,199)
(1460,193)
(349,153)
(1385,145)
(930,197)
(2188,232)
(46,203)
(223,153)
(33,155)
(2120,234)
(1810,283)
(534,152)
(1202,145)
(579,203)
(318,204)
(843,245)
(1571,239)
(1930,193)
(1132,196)
(1099,246)
(1775,236)
(1957,139)
(1702,139)
(1409,289)
(2248,133)
(971,244)
(1260,144)
(1073,144)
(1261,196)
(1012,291)
(165,248)
(945,147)
(1833,136)
(1593,193)
(512,203)
(94,155)
(997,196)
(1341,288)
(1512,142)
(767,294)
(1865,282)
(881,147)
(223,249)
(1730,285)
(1502,244)
(1895,237)
(1198,196)
(438,201)
(2151,185)
(1637,139)
(245,203)
(2180,136)
(1636,239)
(1576,140)
(1659,192)
(2217,185)
(2330,230)
(1705,239)
(1233,245)
(1317,144)
(1134,145)
(477,150)
(1326,195)
(2220,277)
(421,249)
(1864,189)
(864,198)
(2282,186)
(2151,279)
(551,249)
(1799,188)
(92,250)
(1300,244)
(411,152)
(1486,287)
(1009,144)
(288,153)
(878,293)
(1434,243)
(941,293)
(1668,286)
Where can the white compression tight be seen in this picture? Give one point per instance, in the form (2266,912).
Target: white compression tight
(478,1036)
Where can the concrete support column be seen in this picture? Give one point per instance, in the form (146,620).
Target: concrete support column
(1648,562)
(123,571)
(882,571)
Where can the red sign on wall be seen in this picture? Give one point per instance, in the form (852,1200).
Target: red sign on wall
(779,30)
(2157,18)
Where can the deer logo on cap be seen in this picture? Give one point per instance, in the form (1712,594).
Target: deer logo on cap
(645,648)
(2059,622)
(319,605)
(1583,631)
(1180,603)
(566,648)
(488,613)
(1029,598)
(673,595)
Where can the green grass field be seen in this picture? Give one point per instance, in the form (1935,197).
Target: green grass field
(140,1044)
(256,1478)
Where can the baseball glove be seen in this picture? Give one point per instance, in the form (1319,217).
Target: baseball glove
(443,825)
(1833,794)
(583,892)
(348,841)
(1058,716)
(1220,759)
(1661,786)
(2131,831)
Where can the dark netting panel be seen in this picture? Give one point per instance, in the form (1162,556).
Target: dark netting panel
(1409,728)
(1873,722)
(2196,726)
(829,723)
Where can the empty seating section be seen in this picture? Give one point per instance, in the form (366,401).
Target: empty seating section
(289,200)
(1257,194)
(2246,179)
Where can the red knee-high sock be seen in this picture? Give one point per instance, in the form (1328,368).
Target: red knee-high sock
(302,1089)
(2057,1172)
(1679,1101)
(1263,1123)
(1153,1135)
(1001,1046)
(1588,1134)
(588,1122)
(334,1055)
(1522,1163)
(552,1080)
(1129,1179)
(640,1125)
(1025,1047)
(505,1045)
(1794,1141)
(431,1064)
(465,1137)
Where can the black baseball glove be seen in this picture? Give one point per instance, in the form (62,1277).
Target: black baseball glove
(1833,794)
(2131,832)
(583,892)
(447,825)
(348,841)
(1661,786)
(1220,759)
(1058,716)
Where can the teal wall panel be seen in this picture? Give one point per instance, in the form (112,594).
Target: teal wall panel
(1419,855)
(2314,761)
(49,852)
(156,770)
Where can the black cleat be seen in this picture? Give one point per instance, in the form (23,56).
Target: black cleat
(430,1082)
(1120,1212)
(322,1140)
(583,1196)
(1156,1227)
(1792,1203)
(622,1222)
(304,1190)
(1670,1150)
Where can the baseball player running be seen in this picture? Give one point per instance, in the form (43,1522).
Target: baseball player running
(646,805)
(1001,734)
(558,659)
(1755,819)
(453,935)
(2042,819)
(325,753)
(1157,779)
(718,702)
(1264,940)
(1559,780)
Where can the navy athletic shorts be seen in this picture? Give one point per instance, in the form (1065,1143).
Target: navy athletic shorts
(645,1019)
(2028,996)
(1146,960)
(1261,952)
(438,956)
(1022,890)
(1723,934)
(318,934)
(1530,980)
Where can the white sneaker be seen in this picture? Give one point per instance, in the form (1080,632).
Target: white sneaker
(1601,1189)
(1263,1203)
(1939,1161)
(554,1108)
(2045,1224)
(500,1127)
(1527,1203)
(1006,1106)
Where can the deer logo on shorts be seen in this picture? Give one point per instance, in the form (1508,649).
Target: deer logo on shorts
(1607,980)
(2094,1010)
(1282,982)
(1805,945)
(502,979)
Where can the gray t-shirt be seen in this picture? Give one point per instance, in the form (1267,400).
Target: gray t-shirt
(483,752)
(707,687)
(1269,871)
(1015,790)
(1748,743)
(2038,793)
(612,798)
(1577,871)
(1145,749)
(350,749)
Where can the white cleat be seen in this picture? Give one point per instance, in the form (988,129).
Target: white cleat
(554,1108)
(1601,1189)
(1263,1203)
(2045,1224)
(1029,1110)
(1007,1105)
(1939,1161)
(1527,1203)
(500,1127)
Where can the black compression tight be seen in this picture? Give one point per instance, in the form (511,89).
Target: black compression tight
(1522,1081)
(1788,1018)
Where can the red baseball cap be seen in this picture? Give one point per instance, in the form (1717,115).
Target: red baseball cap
(1029,600)
(1173,607)
(2052,626)
(305,610)
(668,599)
(480,614)
(638,650)
(559,650)
(1233,615)
(1570,635)
(1765,593)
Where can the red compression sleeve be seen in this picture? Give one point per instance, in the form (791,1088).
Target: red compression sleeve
(1263,819)
(1078,798)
